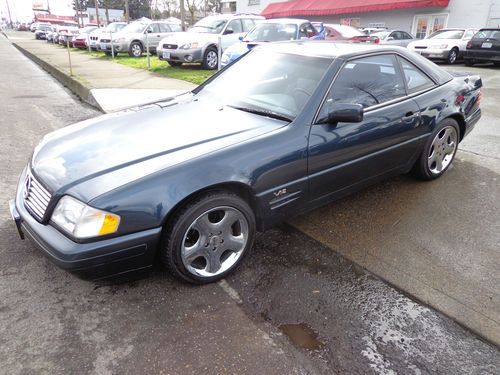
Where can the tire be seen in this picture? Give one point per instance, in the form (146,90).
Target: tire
(210,58)
(452,56)
(208,238)
(174,63)
(469,62)
(439,151)
(135,49)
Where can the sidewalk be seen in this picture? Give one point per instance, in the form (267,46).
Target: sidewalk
(103,84)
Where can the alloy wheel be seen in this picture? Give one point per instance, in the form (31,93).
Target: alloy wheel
(136,50)
(215,241)
(442,150)
(212,59)
(453,56)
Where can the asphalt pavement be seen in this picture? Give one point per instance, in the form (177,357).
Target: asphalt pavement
(294,307)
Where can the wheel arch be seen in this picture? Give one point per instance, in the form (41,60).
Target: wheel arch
(459,118)
(240,189)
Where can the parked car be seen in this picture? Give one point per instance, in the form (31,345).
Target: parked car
(371,30)
(484,47)
(42,30)
(344,33)
(274,30)
(66,35)
(107,32)
(81,40)
(132,38)
(190,179)
(199,44)
(51,34)
(447,44)
(392,37)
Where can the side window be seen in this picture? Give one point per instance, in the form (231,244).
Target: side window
(468,35)
(416,80)
(396,35)
(310,30)
(367,81)
(406,35)
(248,24)
(154,28)
(235,25)
(164,28)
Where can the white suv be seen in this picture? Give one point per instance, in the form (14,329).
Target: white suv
(199,44)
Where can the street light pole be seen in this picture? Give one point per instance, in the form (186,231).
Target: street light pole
(182,15)
(126,12)
(97,11)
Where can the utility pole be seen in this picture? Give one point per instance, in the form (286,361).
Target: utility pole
(77,6)
(10,18)
(127,15)
(182,15)
(97,12)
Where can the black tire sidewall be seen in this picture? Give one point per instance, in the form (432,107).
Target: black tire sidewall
(131,54)
(449,56)
(424,170)
(175,235)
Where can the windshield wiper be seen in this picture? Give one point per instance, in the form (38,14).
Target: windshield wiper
(262,112)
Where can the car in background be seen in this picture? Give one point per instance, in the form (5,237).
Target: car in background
(81,40)
(66,34)
(189,181)
(371,30)
(34,26)
(446,44)
(345,33)
(42,30)
(108,31)
(391,37)
(132,38)
(484,47)
(199,44)
(274,30)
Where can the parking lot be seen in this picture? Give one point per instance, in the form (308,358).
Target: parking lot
(376,283)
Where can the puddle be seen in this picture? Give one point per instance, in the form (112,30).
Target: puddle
(302,336)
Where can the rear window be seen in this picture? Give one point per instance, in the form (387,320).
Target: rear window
(488,34)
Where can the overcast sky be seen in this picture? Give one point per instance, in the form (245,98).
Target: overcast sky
(21,10)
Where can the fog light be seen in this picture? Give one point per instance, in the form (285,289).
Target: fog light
(188,58)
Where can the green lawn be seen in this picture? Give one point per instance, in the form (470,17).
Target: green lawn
(191,73)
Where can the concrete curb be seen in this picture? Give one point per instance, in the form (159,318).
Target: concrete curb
(78,88)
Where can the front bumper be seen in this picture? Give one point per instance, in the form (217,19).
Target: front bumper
(93,260)
(117,47)
(193,55)
(438,54)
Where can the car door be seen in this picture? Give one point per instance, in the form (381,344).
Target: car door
(346,156)
(154,35)
(232,33)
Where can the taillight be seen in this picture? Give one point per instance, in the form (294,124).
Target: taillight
(480,96)
(376,40)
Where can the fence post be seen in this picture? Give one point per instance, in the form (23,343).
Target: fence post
(69,56)
(147,48)
(219,51)
(112,46)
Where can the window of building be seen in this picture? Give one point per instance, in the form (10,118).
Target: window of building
(425,24)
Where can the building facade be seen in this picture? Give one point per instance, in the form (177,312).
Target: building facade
(419,17)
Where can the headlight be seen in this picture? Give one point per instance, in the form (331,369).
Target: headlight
(119,40)
(439,46)
(189,45)
(83,221)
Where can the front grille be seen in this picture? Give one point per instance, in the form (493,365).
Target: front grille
(105,40)
(36,197)
(170,46)
(93,38)
(420,47)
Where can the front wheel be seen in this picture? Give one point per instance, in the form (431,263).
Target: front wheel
(210,58)
(135,49)
(452,56)
(439,151)
(208,238)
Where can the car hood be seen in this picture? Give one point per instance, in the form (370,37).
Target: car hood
(141,141)
(434,42)
(180,38)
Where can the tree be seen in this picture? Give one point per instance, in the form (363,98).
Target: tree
(193,6)
(213,6)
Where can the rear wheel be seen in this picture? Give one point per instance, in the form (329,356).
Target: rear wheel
(439,151)
(452,56)
(208,238)
(210,58)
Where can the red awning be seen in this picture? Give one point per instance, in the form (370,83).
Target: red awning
(329,7)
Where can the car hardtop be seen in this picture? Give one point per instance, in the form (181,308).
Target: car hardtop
(348,51)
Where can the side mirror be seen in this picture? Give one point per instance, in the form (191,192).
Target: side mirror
(228,31)
(240,38)
(343,113)
(148,31)
(390,38)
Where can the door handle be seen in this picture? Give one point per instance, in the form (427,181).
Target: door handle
(409,117)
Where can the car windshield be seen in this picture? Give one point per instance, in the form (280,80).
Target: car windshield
(488,34)
(209,25)
(135,27)
(267,83)
(114,27)
(272,32)
(381,34)
(447,34)
(44,27)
